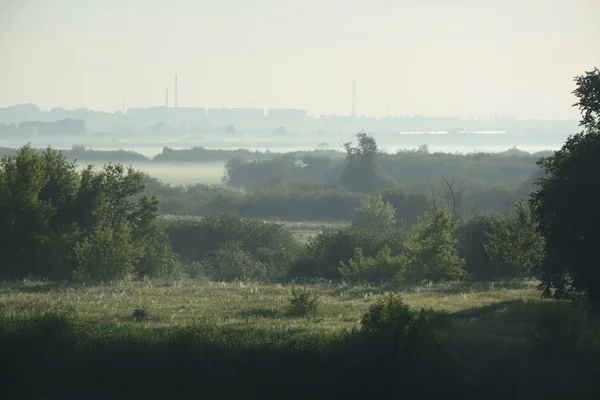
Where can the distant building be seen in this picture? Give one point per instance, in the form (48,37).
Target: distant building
(292,119)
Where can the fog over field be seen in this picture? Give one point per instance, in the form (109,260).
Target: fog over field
(177,173)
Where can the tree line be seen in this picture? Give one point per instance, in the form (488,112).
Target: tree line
(59,223)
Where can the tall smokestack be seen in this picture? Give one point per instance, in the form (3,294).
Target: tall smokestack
(167,97)
(176,93)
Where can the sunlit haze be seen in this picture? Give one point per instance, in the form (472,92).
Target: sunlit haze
(434,57)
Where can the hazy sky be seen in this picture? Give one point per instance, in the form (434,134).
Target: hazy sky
(432,57)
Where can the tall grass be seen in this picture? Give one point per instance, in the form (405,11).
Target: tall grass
(55,353)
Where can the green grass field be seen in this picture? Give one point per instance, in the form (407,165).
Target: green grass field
(229,340)
(185,302)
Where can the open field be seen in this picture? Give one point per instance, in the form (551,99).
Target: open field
(231,340)
(264,306)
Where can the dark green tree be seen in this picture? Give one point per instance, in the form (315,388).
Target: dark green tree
(588,93)
(37,193)
(362,173)
(55,221)
(566,204)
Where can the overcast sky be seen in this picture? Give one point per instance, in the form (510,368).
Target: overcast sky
(433,57)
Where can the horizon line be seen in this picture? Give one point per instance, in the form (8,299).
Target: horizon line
(266,110)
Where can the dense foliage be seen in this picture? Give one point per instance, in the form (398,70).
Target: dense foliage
(382,268)
(234,247)
(567,201)
(310,185)
(59,223)
(322,254)
(81,154)
(100,225)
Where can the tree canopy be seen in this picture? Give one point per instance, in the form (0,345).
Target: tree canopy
(566,204)
(58,223)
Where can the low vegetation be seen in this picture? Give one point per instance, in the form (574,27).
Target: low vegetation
(434,340)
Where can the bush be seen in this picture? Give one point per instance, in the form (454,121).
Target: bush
(140,314)
(195,269)
(271,244)
(323,253)
(304,302)
(383,267)
(403,330)
(389,314)
(158,258)
(107,255)
(230,262)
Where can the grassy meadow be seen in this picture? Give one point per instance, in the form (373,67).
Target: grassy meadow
(201,339)
(266,306)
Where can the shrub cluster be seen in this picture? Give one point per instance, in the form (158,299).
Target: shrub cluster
(231,247)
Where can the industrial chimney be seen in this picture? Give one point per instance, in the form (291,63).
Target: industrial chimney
(176,93)
(167,97)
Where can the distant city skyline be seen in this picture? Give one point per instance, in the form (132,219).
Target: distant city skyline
(169,105)
(463,58)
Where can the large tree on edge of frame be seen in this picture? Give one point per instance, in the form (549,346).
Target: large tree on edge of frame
(567,204)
